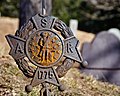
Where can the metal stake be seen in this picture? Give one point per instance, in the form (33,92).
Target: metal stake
(43,7)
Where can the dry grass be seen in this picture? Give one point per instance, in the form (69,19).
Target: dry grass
(7,26)
(12,83)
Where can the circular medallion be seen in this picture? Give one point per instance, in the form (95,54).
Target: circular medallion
(44,48)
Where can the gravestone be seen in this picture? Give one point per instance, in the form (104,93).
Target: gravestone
(103,56)
(74,26)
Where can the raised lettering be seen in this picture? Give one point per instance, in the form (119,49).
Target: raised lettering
(50,74)
(40,74)
(43,22)
(69,48)
(45,75)
(19,49)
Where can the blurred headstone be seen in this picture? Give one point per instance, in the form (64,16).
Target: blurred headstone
(74,26)
(103,56)
(29,8)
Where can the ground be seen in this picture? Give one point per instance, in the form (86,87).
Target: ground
(12,81)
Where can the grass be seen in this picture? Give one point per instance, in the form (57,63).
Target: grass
(12,83)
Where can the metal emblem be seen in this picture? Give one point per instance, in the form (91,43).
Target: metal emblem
(44,48)
(44,40)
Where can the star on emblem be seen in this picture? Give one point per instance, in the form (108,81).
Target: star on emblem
(45,49)
(17,46)
(71,50)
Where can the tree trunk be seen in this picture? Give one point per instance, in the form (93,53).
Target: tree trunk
(29,8)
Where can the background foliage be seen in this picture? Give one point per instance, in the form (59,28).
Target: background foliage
(9,8)
(93,15)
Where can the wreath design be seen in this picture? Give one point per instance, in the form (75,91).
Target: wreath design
(28,29)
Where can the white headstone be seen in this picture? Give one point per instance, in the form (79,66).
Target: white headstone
(115,32)
(74,26)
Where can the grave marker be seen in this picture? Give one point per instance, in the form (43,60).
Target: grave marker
(74,26)
(44,47)
(103,56)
